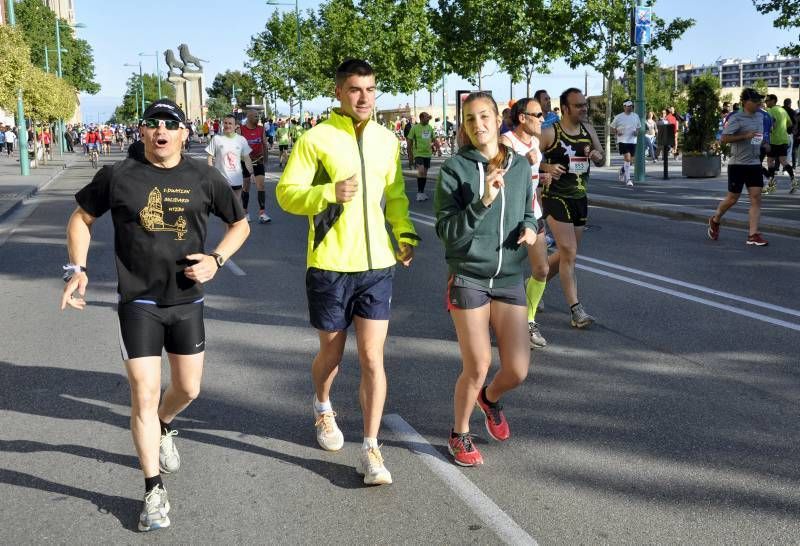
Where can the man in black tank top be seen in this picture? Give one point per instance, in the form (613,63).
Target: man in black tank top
(568,147)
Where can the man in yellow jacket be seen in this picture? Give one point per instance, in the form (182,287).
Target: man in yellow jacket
(341,174)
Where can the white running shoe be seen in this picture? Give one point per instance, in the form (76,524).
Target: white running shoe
(329,436)
(370,465)
(629,183)
(422,196)
(263,218)
(169,460)
(155,509)
(247,217)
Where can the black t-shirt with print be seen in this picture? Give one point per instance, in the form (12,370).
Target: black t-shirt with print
(160,216)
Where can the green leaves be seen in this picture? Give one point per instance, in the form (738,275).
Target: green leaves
(223,85)
(38,24)
(788,17)
(126,112)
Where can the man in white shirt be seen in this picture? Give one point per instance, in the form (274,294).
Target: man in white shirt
(227,151)
(11,138)
(626,125)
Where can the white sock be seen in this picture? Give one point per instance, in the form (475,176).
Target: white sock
(626,168)
(321,407)
(369,443)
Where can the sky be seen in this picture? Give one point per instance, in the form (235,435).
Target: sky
(220,32)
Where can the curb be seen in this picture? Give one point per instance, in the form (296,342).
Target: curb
(692,216)
(21,197)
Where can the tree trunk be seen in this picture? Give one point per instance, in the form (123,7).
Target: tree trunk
(609,95)
(480,83)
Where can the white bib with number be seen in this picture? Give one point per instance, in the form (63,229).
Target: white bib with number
(579,165)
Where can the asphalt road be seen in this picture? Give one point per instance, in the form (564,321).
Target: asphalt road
(673,420)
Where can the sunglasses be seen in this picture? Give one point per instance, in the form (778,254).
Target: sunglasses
(169,124)
(534,114)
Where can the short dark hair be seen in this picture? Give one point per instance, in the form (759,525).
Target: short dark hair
(563,99)
(520,107)
(233,117)
(539,93)
(772,97)
(352,67)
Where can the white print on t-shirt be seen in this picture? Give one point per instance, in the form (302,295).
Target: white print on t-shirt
(151,216)
(757,139)
(227,153)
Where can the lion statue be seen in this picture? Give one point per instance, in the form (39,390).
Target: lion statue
(172,62)
(189,59)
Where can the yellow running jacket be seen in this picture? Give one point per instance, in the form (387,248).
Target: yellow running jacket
(353,236)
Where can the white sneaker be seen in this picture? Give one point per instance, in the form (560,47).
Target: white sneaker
(263,218)
(247,217)
(422,197)
(169,460)
(629,183)
(329,436)
(370,465)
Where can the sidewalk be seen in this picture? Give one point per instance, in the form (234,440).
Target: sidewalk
(15,188)
(692,199)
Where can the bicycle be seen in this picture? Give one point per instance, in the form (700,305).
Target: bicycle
(93,157)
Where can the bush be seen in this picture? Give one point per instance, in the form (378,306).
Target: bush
(705,114)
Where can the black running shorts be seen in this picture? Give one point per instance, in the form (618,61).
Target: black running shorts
(335,298)
(740,176)
(778,150)
(464,294)
(145,329)
(565,209)
(258,170)
(625,148)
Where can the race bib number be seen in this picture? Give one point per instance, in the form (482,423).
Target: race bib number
(579,165)
(757,139)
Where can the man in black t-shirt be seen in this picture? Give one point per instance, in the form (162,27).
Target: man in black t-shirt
(159,208)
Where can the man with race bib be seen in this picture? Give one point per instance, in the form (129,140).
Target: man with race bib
(568,147)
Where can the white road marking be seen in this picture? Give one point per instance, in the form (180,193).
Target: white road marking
(711,291)
(696,299)
(681,295)
(235,269)
(422,218)
(498,521)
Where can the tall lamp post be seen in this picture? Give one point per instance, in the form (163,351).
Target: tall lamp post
(22,129)
(158,70)
(61,75)
(47,58)
(297,18)
(141,80)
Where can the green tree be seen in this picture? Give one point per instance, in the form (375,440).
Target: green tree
(701,138)
(761,86)
(278,65)
(529,43)
(15,65)
(218,108)
(38,23)
(600,32)
(788,16)
(128,109)
(223,84)
(466,36)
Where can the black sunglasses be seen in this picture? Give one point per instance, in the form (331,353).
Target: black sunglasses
(169,124)
(534,114)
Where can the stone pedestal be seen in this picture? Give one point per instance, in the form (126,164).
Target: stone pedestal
(194,95)
(180,90)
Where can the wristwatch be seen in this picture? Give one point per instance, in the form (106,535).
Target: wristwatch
(218,258)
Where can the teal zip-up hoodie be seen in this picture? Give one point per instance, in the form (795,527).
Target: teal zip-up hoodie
(481,242)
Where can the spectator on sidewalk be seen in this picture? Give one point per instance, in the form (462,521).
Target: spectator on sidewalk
(2,136)
(672,119)
(650,134)
(11,138)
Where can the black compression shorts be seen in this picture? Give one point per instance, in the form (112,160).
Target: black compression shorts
(145,329)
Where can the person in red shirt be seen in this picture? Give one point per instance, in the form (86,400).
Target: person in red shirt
(92,140)
(255,136)
(672,119)
(107,136)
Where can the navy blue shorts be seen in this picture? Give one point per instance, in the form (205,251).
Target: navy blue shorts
(335,298)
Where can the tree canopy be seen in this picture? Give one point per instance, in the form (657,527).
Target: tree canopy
(788,16)
(38,24)
(126,112)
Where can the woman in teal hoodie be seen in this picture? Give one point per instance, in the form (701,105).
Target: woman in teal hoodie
(484,217)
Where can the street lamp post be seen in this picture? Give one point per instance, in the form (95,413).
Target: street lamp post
(297,18)
(158,70)
(47,57)
(61,137)
(141,81)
